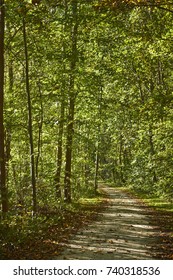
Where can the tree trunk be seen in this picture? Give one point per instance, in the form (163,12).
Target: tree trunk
(70,125)
(152,152)
(59,156)
(67,179)
(40,126)
(30,128)
(4,191)
(121,159)
(98,143)
(8,126)
(61,122)
(96,168)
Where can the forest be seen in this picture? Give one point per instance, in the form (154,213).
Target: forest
(86,96)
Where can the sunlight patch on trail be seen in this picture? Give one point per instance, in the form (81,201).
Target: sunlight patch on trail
(122,231)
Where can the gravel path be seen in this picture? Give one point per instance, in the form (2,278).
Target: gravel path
(124,230)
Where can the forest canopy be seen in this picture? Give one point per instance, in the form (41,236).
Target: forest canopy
(86,94)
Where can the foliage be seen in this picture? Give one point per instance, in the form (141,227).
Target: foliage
(100,84)
(26,237)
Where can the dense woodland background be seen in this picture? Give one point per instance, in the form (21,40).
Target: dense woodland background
(86,94)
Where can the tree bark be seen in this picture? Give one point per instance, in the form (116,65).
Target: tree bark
(70,125)
(62,111)
(152,152)
(59,155)
(30,127)
(4,191)
(96,168)
(40,126)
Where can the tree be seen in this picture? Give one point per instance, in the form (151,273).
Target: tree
(99,96)
(30,126)
(4,193)
(62,110)
(72,97)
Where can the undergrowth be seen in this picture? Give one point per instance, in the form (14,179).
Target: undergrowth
(23,236)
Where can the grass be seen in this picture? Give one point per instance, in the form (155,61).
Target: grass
(156,201)
(160,204)
(94,200)
(152,200)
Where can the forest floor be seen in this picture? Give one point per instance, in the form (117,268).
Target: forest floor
(114,225)
(125,229)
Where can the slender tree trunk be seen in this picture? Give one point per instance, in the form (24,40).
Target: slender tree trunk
(70,125)
(39,143)
(8,128)
(86,167)
(121,159)
(62,111)
(4,191)
(67,179)
(7,152)
(59,156)
(152,152)
(97,154)
(30,127)
(96,168)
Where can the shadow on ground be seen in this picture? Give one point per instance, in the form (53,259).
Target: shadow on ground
(124,230)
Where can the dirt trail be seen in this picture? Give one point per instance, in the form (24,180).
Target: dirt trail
(124,230)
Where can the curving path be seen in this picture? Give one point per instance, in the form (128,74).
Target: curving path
(124,230)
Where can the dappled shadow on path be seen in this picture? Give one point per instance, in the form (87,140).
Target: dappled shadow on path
(123,230)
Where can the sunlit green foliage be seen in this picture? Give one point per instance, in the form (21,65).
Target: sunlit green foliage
(122,89)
